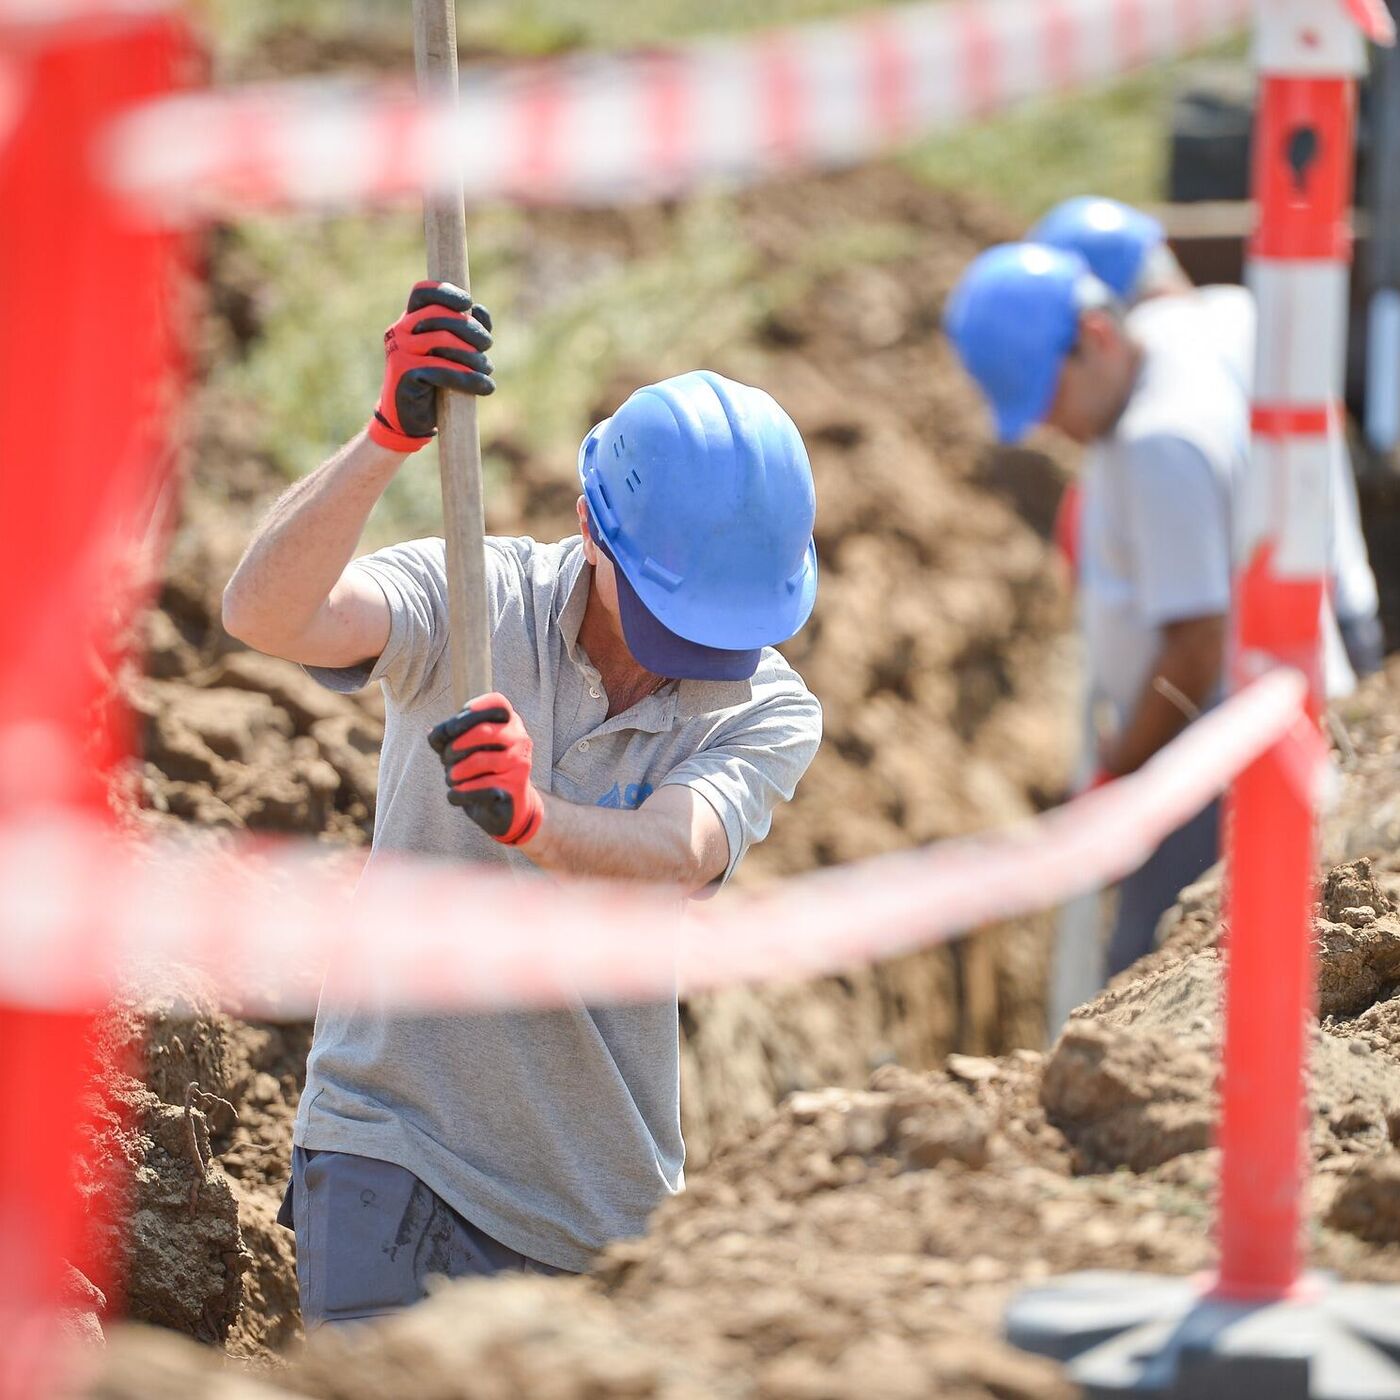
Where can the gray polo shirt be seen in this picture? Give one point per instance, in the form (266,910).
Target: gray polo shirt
(554,1131)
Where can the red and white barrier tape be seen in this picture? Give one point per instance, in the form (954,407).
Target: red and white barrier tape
(600,128)
(82,911)
(39,13)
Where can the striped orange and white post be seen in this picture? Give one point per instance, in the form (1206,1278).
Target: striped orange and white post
(1309,56)
(1258,1330)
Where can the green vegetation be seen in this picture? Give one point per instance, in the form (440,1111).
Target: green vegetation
(513,28)
(569,319)
(310,379)
(1110,141)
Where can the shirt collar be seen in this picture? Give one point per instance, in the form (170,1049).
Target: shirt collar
(683,699)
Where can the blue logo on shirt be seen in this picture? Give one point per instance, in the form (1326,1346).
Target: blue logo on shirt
(629,798)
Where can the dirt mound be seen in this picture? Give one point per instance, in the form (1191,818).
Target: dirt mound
(864,1242)
(231,739)
(497,1341)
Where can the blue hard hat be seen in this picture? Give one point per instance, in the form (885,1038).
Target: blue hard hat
(1013,318)
(1114,239)
(700,492)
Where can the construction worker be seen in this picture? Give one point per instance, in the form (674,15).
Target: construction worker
(643,729)
(1167,430)
(1127,250)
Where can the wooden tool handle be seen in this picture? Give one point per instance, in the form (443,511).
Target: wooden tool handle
(459,444)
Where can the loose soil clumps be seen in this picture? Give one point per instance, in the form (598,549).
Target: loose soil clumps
(184,1166)
(864,1242)
(233,740)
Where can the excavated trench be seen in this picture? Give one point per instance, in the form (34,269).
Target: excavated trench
(864,1242)
(881,1158)
(938,651)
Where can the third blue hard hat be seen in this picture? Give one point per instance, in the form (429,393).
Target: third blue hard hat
(700,492)
(1114,239)
(1013,318)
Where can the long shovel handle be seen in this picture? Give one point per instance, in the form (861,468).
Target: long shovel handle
(459,443)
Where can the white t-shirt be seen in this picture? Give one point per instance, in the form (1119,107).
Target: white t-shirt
(1157,531)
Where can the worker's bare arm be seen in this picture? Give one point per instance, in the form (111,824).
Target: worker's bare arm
(291,594)
(675,837)
(1191,661)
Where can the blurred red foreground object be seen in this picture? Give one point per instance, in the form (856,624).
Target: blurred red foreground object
(1298,255)
(86,368)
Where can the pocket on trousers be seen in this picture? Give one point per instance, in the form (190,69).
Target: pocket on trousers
(347,1266)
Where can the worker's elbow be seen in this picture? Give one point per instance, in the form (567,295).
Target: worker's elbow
(240,619)
(695,878)
(705,862)
(683,859)
(231,612)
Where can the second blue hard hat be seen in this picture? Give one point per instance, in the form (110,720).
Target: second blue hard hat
(700,492)
(1115,239)
(1013,318)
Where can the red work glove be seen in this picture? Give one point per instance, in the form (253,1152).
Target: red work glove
(1066,529)
(485,751)
(420,351)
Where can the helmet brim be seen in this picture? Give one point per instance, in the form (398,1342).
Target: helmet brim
(663,652)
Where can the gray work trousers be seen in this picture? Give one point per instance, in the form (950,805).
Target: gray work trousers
(1152,889)
(370,1234)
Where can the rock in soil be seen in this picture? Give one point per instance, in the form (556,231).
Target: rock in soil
(1128,1099)
(1368,1202)
(83,1304)
(195,1158)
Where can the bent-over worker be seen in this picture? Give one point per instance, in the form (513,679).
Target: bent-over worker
(1167,429)
(1127,250)
(642,728)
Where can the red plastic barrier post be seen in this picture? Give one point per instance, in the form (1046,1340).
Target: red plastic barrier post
(1309,55)
(85,383)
